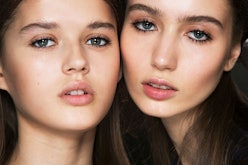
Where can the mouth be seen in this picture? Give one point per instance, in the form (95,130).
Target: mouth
(76,93)
(157,86)
(77,89)
(158,89)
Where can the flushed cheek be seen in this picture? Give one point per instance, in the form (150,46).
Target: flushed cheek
(198,87)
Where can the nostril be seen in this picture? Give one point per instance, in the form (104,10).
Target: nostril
(71,70)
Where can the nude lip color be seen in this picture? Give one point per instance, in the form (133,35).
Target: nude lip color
(158,89)
(77,94)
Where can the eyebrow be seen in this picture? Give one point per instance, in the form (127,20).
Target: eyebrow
(201,18)
(53,25)
(42,25)
(158,12)
(141,7)
(98,24)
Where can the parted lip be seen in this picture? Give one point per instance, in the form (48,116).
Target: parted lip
(159,83)
(82,87)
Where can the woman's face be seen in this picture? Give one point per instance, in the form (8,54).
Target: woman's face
(174,53)
(60,63)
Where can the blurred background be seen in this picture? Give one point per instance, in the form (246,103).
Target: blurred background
(240,71)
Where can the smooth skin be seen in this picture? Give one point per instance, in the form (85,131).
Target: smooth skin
(60,65)
(182,49)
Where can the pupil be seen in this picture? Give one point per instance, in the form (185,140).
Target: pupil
(198,34)
(96,41)
(43,42)
(147,25)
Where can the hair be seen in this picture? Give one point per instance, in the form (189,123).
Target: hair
(108,146)
(213,132)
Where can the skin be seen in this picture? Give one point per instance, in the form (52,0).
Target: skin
(46,56)
(181,48)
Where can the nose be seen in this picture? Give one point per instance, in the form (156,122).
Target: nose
(164,55)
(75,60)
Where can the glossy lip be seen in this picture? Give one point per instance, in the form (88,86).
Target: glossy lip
(77,100)
(165,92)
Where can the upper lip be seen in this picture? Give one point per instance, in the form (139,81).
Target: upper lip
(79,87)
(159,83)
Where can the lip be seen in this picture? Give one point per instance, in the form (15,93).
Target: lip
(77,94)
(158,89)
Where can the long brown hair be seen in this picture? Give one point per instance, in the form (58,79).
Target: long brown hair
(214,129)
(108,147)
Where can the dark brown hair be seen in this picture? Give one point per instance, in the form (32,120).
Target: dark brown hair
(214,130)
(108,147)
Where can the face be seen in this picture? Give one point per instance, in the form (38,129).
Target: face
(175,52)
(61,68)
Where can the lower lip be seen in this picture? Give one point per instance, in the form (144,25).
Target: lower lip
(158,94)
(78,100)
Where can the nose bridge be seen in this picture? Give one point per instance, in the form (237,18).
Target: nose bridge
(75,59)
(164,55)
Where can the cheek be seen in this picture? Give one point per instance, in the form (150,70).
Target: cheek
(27,77)
(131,56)
(200,82)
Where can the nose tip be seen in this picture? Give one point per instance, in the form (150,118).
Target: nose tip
(164,60)
(160,64)
(76,61)
(164,54)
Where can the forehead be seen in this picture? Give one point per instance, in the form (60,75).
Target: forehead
(63,11)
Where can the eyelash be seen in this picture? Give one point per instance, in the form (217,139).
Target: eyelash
(43,42)
(140,26)
(98,41)
(46,42)
(204,37)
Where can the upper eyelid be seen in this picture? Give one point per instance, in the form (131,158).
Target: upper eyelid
(33,43)
(44,36)
(203,32)
(106,40)
(98,35)
(140,21)
(200,41)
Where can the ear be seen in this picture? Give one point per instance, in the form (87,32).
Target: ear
(3,84)
(233,57)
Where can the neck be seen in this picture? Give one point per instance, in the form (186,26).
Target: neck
(177,127)
(50,148)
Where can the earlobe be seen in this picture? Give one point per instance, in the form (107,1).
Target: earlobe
(232,59)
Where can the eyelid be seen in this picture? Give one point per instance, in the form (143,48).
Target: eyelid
(101,37)
(207,36)
(43,37)
(142,21)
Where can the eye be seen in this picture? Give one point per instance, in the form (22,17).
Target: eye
(43,43)
(97,41)
(199,36)
(144,26)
